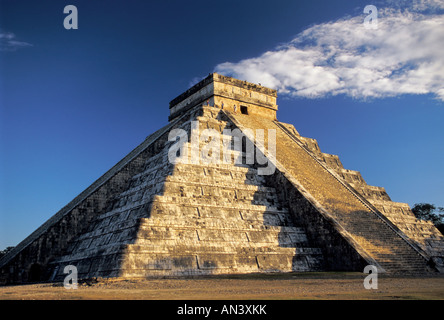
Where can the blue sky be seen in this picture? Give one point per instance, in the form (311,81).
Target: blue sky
(74,102)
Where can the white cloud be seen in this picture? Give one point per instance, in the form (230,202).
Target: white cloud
(195,80)
(422,5)
(404,55)
(8,42)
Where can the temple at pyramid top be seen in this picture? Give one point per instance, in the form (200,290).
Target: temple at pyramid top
(229,94)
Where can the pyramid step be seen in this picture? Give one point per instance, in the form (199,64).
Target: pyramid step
(236,174)
(91,252)
(226,181)
(211,184)
(193,264)
(206,231)
(193,187)
(216,168)
(248,204)
(209,194)
(182,247)
(126,226)
(222,221)
(187,246)
(253,215)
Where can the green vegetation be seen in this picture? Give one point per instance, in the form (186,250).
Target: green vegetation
(5,251)
(427,211)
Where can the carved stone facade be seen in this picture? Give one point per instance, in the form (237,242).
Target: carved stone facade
(229,94)
(149,217)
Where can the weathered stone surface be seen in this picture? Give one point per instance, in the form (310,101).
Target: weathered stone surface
(147,217)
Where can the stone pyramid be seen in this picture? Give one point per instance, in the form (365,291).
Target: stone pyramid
(270,202)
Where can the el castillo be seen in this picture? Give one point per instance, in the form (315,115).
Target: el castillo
(150,218)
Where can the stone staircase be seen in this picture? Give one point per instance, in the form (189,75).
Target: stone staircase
(371,233)
(421,233)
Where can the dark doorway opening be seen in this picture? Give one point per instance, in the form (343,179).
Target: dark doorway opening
(35,273)
(244,110)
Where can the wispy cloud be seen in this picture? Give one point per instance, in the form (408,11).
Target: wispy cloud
(423,5)
(195,80)
(404,55)
(8,42)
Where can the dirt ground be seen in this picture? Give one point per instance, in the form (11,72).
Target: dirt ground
(324,286)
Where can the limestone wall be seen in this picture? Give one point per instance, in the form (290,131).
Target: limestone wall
(217,90)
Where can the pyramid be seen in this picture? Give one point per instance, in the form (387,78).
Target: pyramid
(225,188)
